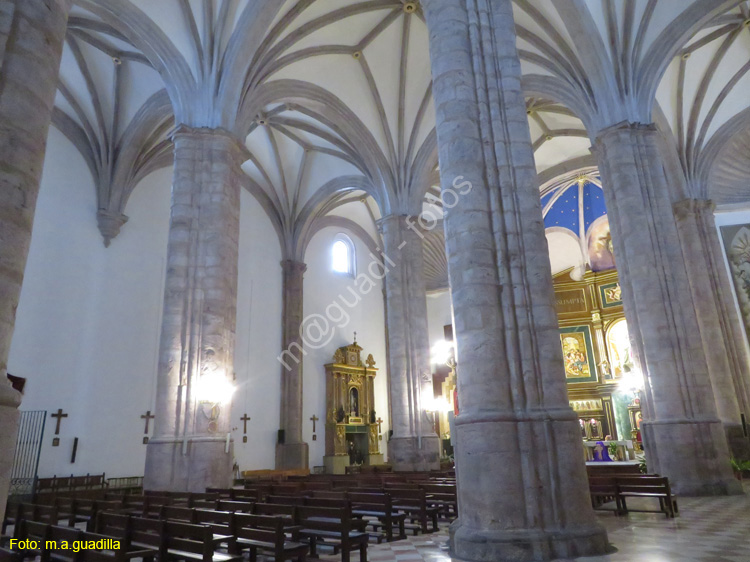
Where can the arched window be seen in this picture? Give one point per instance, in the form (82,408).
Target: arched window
(342,255)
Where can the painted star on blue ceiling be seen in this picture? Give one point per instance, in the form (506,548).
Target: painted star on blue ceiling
(572,204)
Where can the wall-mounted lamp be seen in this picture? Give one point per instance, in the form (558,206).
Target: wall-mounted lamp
(214,388)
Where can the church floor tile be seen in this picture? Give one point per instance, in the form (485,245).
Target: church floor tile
(707,530)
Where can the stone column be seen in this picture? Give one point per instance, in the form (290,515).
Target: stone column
(196,360)
(718,322)
(683,436)
(293,453)
(522,487)
(414,444)
(32,33)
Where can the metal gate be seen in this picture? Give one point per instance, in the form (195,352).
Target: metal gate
(28,448)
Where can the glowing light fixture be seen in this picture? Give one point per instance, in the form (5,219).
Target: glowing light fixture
(214,388)
(440,352)
(438,405)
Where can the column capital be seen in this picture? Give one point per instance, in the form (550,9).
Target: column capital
(687,207)
(622,127)
(403,222)
(183,131)
(293,266)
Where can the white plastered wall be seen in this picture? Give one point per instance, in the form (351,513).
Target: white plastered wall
(327,293)
(88,324)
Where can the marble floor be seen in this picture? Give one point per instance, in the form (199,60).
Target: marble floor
(707,530)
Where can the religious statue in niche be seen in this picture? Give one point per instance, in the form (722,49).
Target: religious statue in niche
(618,348)
(354,402)
(574,354)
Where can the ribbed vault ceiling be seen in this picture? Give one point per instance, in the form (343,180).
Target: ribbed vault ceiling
(334,104)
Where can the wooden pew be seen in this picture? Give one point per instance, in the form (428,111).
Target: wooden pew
(33,512)
(379,506)
(184,541)
(647,487)
(58,536)
(413,502)
(265,534)
(177,513)
(443,496)
(32,530)
(331,526)
(357,523)
(287,512)
(235,506)
(603,490)
(85,510)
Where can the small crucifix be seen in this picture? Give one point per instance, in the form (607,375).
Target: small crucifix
(313,419)
(244,419)
(59,415)
(148,416)
(379,421)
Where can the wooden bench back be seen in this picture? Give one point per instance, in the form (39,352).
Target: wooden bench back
(33,530)
(174,513)
(199,497)
(147,531)
(319,485)
(262,528)
(113,524)
(224,493)
(411,497)
(324,519)
(37,512)
(287,511)
(371,502)
(221,522)
(329,495)
(240,506)
(187,537)
(286,500)
(647,485)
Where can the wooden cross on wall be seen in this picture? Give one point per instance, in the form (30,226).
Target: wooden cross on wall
(380,425)
(313,419)
(244,419)
(59,415)
(148,416)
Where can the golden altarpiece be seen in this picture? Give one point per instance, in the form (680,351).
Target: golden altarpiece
(351,427)
(596,352)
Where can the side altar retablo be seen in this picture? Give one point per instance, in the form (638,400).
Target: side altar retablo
(351,427)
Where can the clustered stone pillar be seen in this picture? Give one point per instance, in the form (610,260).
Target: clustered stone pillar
(191,448)
(32,33)
(522,488)
(718,322)
(683,436)
(414,444)
(294,452)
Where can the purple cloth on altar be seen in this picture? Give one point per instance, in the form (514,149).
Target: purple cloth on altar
(601,453)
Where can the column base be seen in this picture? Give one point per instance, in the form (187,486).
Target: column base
(525,545)
(404,454)
(290,456)
(205,464)
(693,454)
(739,444)
(10,399)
